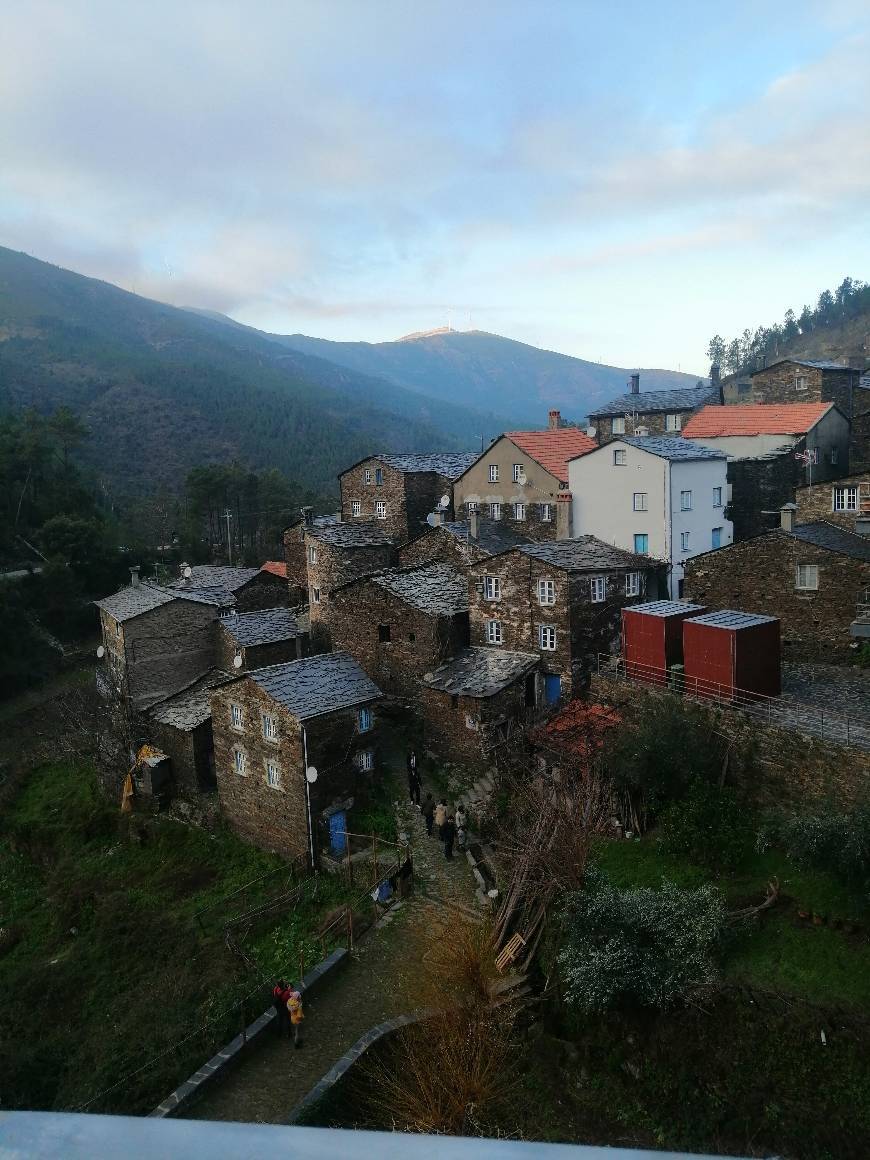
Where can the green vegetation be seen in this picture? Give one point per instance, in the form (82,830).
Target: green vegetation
(103,965)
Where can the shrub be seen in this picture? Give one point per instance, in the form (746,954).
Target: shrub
(708,827)
(836,842)
(638,946)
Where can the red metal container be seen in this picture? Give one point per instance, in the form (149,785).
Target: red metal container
(652,638)
(732,655)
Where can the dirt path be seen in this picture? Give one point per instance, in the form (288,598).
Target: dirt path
(380,981)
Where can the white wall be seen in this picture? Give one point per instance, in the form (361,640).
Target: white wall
(700,476)
(746,446)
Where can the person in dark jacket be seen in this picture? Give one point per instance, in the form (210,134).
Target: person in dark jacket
(448,836)
(413,778)
(428,812)
(280,995)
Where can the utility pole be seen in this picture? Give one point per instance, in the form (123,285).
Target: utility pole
(229,516)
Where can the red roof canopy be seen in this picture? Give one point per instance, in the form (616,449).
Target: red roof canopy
(755,419)
(276,567)
(553,449)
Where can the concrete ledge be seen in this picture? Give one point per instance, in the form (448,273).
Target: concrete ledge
(230,1053)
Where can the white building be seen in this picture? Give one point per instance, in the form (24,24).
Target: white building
(654,495)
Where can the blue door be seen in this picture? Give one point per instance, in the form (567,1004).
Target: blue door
(337,832)
(717,537)
(552,689)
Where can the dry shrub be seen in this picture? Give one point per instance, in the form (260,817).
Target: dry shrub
(460,966)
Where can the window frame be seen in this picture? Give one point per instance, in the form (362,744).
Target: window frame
(717,497)
(494,632)
(379,477)
(517,471)
(367,475)
(271,764)
(315,595)
(687,505)
(364,760)
(365,719)
(641,496)
(597,584)
(620,430)
(312,553)
(850,498)
(493,473)
(674,422)
(237,710)
(620,457)
(519,511)
(495,511)
(546,588)
(633,588)
(380,509)
(685,541)
(270,733)
(470,506)
(797,580)
(240,762)
(492,587)
(801,382)
(547,632)
(546,513)
(644,551)
(355,508)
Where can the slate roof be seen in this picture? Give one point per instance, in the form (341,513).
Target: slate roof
(216,576)
(480,672)
(729,618)
(584,554)
(317,685)
(493,536)
(130,601)
(682,399)
(275,568)
(449,464)
(666,608)
(673,448)
(819,364)
(268,626)
(831,536)
(755,419)
(189,708)
(360,534)
(437,589)
(553,449)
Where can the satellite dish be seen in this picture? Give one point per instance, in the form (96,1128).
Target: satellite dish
(101,652)
(188,572)
(311,775)
(431,520)
(445,501)
(237,661)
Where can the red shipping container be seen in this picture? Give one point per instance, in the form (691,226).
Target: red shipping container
(652,638)
(731,654)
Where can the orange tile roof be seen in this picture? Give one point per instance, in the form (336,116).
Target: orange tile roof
(578,730)
(755,419)
(276,567)
(553,449)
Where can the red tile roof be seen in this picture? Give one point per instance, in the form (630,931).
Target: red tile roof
(553,449)
(578,730)
(755,419)
(276,567)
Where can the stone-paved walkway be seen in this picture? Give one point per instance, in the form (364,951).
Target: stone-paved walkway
(829,701)
(381,980)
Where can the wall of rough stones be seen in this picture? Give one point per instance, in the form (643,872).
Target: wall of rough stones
(255,656)
(816,502)
(297,565)
(166,649)
(446,723)
(759,486)
(337,565)
(190,751)
(409,495)
(434,545)
(776,384)
(264,591)
(859,443)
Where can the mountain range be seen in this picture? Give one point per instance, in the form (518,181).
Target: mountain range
(163,389)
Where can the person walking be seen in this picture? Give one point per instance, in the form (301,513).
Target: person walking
(428,808)
(440,817)
(461,822)
(413,778)
(296,1014)
(280,995)
(448,835)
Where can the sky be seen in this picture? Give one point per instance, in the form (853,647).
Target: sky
(617,182)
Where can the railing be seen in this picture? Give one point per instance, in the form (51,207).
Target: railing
(786,712)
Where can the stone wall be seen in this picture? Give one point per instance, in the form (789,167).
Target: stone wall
(776,384)
(758,486)
(447,718)
(409,497)
(760,576)
(263,591)
(297,565)
(774,766)
(191,752)
(167,648)
(817,502)
(859,443)
(436,544)
(337,565)
(255,656)
(540,487)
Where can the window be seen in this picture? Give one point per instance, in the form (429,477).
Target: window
(546,513)
(685,501)
(620,458)
(383,633)
(835,456)
(493,632)
(717,497)
(412,636)
(367,475)
(366,720)
(495,511)
(546,592)
(117,628)
(517,472)
(684,541)
(617,426)
(241,762)
(673,422)
(807,577)
(492,587)
(312,554)
(717,538)
(315,595)
(379,476)
(365,759)
(519,511)
(639,502)
(632,584)
(598,589)
(470,722)
(471,506)
(547,638)
(641,543)
(270,729)
(493,473)
(845,499)
(236,716)
(381,509)
(800,382)
(355,507)
(273,775)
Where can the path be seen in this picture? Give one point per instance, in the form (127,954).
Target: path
(380,980)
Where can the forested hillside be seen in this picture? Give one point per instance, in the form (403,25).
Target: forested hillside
(163,390)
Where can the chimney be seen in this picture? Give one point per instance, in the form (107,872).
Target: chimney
(308,516)
(634,384)
(555,420)
(437,517)
(134,576)
(786,516)
(715,375)
(473,524)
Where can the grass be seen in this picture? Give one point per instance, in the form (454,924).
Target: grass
(103,966)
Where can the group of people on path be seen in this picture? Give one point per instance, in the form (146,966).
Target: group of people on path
(288,1008)
(440,823)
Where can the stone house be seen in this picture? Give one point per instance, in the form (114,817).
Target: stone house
(522,479)
(273,724)
(398,492)
(461,542)
(560,600)
(478,701)
(656,496)
(807,380)
(180,726)
(809,575)
(258,639)
(251,588)
(296,553)
(845,502)
(859,440)
(761,441)
(402,622)
(651,412)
